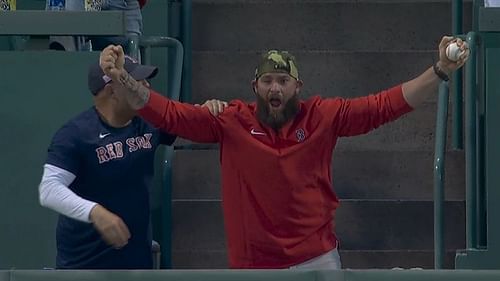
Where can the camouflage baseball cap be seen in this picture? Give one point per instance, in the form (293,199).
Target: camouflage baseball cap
(277,61)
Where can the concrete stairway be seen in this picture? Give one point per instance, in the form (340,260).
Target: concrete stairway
(344,48)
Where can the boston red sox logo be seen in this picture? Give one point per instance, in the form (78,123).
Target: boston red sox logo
(300,134)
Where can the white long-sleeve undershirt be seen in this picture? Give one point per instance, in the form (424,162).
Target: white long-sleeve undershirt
(55,194)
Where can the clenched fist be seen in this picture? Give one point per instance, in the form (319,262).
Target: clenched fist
(111,227)
(112,61)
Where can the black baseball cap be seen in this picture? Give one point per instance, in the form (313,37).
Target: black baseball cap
(97,79)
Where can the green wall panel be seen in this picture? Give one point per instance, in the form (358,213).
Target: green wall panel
(39,92)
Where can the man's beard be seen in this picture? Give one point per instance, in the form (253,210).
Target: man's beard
(276,119)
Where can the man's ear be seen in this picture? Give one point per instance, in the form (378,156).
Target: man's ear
(254,86)
(109,90)
(299,86)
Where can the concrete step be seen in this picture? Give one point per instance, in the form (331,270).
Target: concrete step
(405,175)
(369,174)
(227,75)
(197,225)
(196,259)
(397,225)
(321,25)
(361,225)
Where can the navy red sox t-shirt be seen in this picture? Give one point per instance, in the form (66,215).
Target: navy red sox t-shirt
(113,167)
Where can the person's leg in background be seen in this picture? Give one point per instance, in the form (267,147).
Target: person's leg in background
(133,19)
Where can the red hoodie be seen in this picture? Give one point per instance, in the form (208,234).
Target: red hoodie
(278,200)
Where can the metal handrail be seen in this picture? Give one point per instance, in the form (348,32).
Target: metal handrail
(471,144)
(457,125)
(470,157)
(186,36)
(439,174)
(174,93)
(476,4)
(144,45)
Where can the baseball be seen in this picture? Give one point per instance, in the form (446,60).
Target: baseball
(453,52)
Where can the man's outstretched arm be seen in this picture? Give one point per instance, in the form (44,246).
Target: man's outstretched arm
(188,121)
(361,115)
(418,90)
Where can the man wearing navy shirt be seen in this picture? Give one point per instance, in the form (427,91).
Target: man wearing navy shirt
(97,175)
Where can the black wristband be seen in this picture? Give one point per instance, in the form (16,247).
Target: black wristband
(443,76)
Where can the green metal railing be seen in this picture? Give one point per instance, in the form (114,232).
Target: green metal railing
(180,26)
(144,45)
(440,140)
(19,25)
(476,4)
(174,92)
(471,145)
(174,78)
(186,39)
(106,23)
(457,130)
(439,174)
(471,134)
(186,88)
(472,213)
